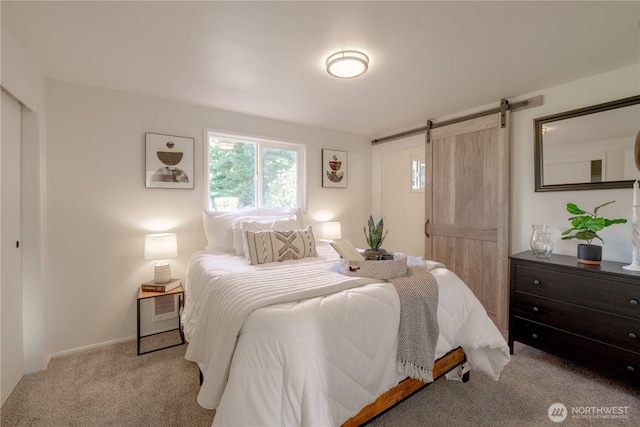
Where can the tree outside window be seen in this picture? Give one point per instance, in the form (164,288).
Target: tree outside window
(253,174)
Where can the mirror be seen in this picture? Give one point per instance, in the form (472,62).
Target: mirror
(588,148)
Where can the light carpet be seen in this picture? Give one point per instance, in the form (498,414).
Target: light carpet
(111,386)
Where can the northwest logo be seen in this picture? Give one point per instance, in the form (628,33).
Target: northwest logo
(557,412)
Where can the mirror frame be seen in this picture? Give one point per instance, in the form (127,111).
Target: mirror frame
(538,164)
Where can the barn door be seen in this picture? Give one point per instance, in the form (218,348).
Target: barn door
(467,206)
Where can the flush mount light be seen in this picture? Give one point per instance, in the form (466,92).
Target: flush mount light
(222,144)
(226,145)
(347,64)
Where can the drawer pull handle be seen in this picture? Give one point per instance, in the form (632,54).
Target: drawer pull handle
(632,335)
(534,336)
(631,368)
(633,302)
(537,282)
(536,309)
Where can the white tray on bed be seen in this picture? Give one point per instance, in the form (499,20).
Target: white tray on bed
(378,269)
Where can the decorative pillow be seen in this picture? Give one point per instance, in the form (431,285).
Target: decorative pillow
(279,223)
(277,246)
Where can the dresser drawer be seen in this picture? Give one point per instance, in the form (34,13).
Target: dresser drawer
(616,330)
(591,353)
(606,295)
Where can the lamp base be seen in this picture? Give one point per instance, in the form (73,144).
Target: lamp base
(634,266)
(162,272)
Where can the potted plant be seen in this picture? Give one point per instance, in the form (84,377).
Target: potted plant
(585,226)
(375,237)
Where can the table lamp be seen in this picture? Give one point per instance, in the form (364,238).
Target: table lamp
(161,247)
(330,230)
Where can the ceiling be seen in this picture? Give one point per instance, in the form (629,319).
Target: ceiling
(428,59)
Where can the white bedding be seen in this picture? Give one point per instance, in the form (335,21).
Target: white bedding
(319,360)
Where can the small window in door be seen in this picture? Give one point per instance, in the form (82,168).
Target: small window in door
(417,175)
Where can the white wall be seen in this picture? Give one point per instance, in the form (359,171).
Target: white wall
(99,209)
(402,209)
(529,207)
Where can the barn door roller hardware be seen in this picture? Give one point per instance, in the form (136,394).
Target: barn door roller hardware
(505,106)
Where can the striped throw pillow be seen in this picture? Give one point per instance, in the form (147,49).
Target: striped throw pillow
(277,246)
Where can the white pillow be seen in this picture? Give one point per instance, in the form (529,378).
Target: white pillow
(218,228)
(292,218)
(218,225)
(277,246)
(280,212)
(260,224)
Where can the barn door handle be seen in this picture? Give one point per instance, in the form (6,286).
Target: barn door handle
(426,224)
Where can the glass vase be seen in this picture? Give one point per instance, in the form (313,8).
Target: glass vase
(541,243)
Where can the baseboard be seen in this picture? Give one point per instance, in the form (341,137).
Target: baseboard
(91,347)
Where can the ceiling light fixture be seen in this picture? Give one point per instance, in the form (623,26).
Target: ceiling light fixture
(222,144)
(226,145)
(347,64)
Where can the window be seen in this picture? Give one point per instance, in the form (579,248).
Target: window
(247,172)
(418,173)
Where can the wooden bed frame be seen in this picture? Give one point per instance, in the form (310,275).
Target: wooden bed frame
(403,390)
(407,388)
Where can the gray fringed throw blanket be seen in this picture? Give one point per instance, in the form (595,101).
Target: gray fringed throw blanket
(419,329)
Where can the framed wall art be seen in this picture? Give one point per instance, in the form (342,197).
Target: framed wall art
(334,168)
(169,161)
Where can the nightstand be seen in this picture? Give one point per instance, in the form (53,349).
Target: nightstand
(145,295)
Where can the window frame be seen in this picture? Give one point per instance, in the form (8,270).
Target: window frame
(260,142)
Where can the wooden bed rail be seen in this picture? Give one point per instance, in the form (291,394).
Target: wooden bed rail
(407,388)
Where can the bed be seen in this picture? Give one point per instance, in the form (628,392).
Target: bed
(295,342)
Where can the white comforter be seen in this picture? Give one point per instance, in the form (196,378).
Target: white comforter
(319,360)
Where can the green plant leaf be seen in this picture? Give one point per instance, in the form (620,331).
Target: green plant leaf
(586,224)
(609,222)
(374,235)
(586,235)
(574,209)
(594,224)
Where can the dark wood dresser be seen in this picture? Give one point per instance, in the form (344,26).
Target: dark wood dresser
(586,314)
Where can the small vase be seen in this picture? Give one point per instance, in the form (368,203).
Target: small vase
(541,243)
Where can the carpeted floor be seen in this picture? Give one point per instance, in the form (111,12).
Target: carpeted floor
(528,386)
(111,386)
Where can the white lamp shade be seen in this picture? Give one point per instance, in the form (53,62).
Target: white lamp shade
(160,246)
(330,230)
